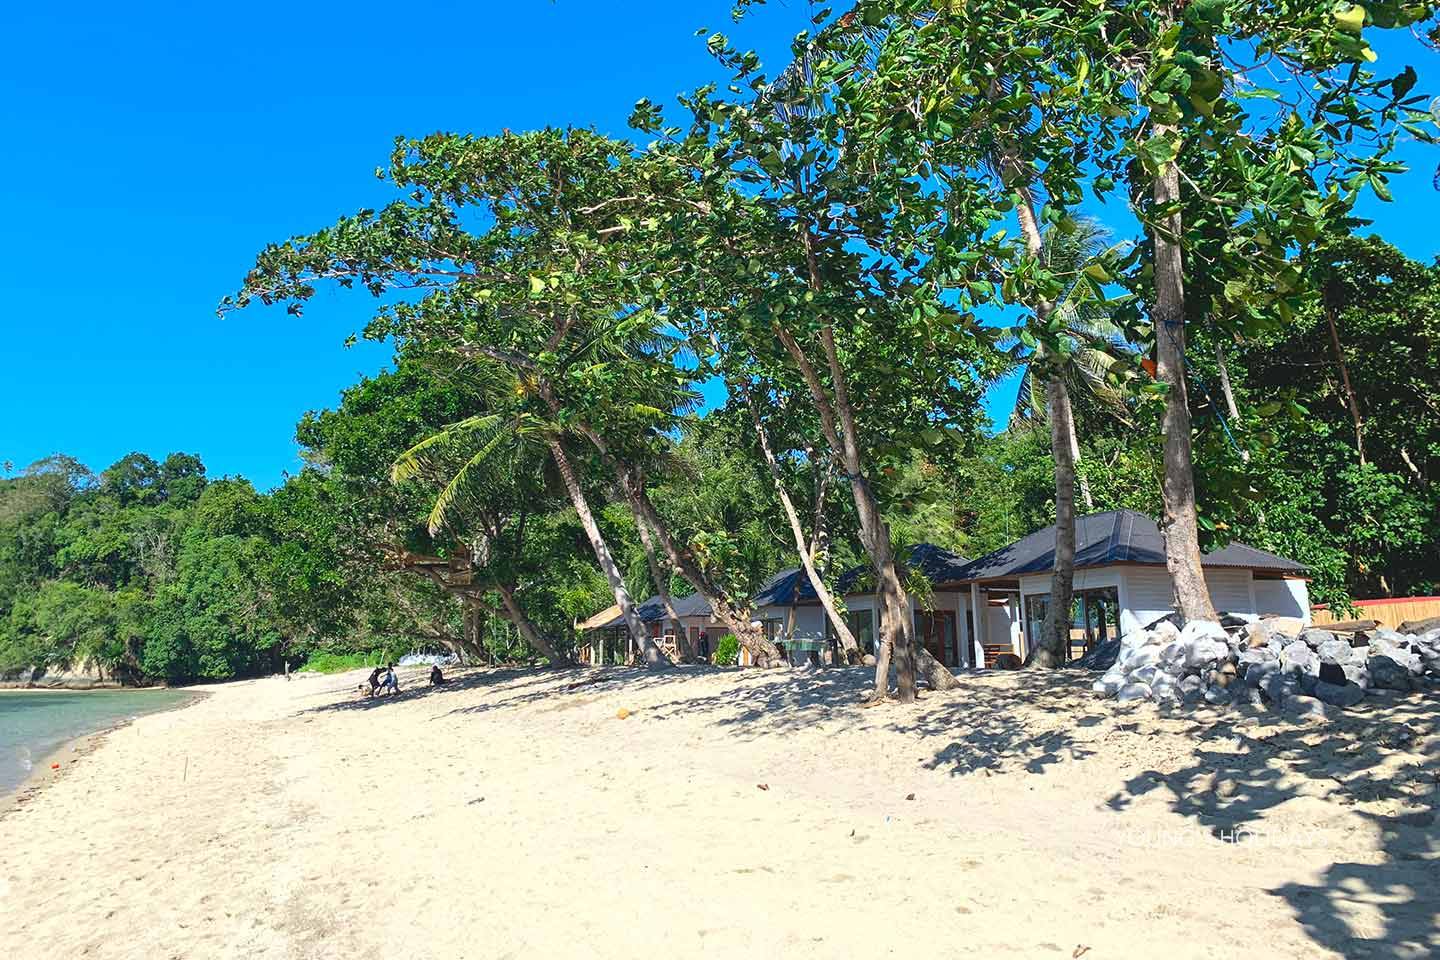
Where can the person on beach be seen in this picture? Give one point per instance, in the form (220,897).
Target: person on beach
(375,679)
(436,677)
(391,684)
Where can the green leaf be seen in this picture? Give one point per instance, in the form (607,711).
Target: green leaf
(1351,18)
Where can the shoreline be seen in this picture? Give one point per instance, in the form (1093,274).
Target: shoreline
(723,813)
(41,776)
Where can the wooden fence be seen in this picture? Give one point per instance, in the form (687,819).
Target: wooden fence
(1390,612)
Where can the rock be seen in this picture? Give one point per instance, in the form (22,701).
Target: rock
(1335,651)
(1203,629)
(1339,695)
(1277,627)
(1256,672)
(1387,673)
(1174,653)
(1007,661)
(1140,657)
(1108,685)
(1223,676)
(1299,659)
(1358,673)
(1165,688)
(1133,691)
(1190,687)
(1218,695)
(1145,675)
(1258,655)
(1247,695)
(1315,636)
(1205,651)
(869,660)
(1301,707)
(1332,673)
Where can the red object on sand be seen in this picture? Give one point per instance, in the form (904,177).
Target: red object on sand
(54,766)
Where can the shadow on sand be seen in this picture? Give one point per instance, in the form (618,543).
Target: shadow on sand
(1383,755)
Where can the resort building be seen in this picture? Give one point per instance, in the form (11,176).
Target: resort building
(973,611)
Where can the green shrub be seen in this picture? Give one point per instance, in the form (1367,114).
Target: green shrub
(322,661)
(727,651)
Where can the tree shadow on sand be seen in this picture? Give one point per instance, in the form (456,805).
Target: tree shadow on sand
(1382,760)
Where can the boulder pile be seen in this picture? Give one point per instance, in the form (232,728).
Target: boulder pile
(1276,662)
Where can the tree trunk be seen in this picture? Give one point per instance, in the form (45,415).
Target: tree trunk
(1180,525)
(633,624)
(1065,450)
(1350,399)
(807,559)
(527,629)
(662,590)
(735,616)
(1055,635)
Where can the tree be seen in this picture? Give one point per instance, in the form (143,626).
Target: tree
(1151,93)
(551,288)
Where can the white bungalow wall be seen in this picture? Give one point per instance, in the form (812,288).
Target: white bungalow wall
(1146,593)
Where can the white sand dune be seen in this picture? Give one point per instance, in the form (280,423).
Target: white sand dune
(514,814)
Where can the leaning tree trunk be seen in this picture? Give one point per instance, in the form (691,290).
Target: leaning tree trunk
(1180,526)
(807,559)
(653,656)
(527,629)
(874,535)
(1055,634)
(735,616)
(909,654)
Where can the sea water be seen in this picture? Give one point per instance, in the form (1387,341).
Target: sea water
(35,723)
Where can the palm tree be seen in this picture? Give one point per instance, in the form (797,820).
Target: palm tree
(495,446)
(1096,351)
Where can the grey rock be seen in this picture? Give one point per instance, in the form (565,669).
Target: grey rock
(1301,707)
(1386,673)
(1191,687)
(1133,691)
(1206,651)
(1298,658)
(1218,695)
(1314,637)
(1331,673)
(1339,695)
(1108,685)
(1335,651)
(1358,673)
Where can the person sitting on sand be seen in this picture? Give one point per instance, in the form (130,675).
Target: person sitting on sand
(436,677)
(391,684)
(375,679)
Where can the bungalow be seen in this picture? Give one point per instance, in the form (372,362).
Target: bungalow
(791,611)
(976,610)
(610,642)
(1121,582)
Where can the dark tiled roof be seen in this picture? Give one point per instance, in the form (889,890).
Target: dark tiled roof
(652,610)
(1117,536)
(793,586)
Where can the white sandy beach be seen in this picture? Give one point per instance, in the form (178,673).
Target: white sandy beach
(509,815)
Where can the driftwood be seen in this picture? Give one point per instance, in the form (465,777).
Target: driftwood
(1348,626)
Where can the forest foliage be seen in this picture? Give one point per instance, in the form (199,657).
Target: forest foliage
(823,252)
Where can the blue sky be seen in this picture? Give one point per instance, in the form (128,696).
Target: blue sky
(152,149)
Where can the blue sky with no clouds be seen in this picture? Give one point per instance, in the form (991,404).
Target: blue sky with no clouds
(152,149)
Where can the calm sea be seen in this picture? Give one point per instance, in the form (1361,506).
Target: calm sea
(34,723)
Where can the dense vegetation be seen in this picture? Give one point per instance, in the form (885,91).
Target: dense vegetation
(832,249)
